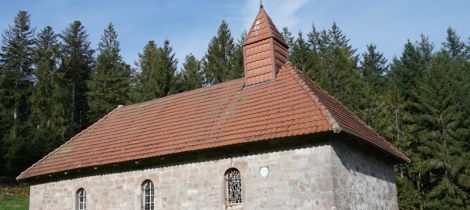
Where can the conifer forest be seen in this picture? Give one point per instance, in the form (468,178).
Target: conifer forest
(53,84)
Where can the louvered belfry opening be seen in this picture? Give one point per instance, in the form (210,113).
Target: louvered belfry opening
(264,50)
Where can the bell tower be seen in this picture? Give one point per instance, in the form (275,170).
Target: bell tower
(264,50)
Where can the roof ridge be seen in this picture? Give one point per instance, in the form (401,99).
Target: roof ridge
(325,112)
(184,93)
(347,109)
(70,140)
(304,79)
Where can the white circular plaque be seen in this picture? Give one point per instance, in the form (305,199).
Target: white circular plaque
(264,171)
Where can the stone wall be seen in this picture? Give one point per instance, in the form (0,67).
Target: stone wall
(301,178)
(298,179)
(362,179)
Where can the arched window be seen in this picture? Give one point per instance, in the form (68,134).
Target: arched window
(148,195)
(81,199)
(233,184)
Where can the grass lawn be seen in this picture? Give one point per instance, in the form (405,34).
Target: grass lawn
(14,202)
(14,197)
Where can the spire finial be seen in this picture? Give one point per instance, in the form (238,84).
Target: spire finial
(261,4)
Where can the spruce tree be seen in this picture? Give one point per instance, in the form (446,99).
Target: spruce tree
(60,114)
(373,68)
(440,155)
(77,63)
(135,85)
(453,45)
(147,65)
(16,85)
(339,65)
(218,61)
(404,75)
(236,62)
(328,59)
(288,38)
(46,57)
(318,40)
(301,55)
(318,51)
(414,61)
(110,81)
(157,71)
(166,70)
(191,75)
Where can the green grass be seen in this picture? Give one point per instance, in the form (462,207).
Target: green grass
(14,197)
(14,202)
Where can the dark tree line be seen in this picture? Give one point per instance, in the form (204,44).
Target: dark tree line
(52,86)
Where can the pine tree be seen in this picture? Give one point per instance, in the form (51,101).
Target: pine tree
(453,46)
(288,38)
(467,51)
(373,68)
(390,122)
(440,157)
(110,80)
(148,72)
(340,74)
(45,136)
(167,65)
(60,115)
(318,40)
(135,85)
(301,55)
(16,85)
(77,63)
(414,61)
(404,74)
(218,61)
(157,71)
(236,62)
(191,75)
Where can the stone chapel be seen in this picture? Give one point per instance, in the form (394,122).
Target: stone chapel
(271,140)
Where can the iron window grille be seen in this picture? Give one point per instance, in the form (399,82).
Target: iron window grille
(148,195)
(81,199)
(233,187)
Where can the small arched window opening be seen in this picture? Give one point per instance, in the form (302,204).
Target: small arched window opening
(233,184)
(148,195)
(81,199)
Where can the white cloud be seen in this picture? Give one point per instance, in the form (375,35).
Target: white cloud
(283,12)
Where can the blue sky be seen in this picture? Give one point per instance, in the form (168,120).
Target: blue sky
(189,25)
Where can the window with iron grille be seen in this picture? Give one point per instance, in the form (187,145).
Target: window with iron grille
(81,199)
(233,184)
(148,195)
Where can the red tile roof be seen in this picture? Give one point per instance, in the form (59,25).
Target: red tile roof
(259,107)
(219,115)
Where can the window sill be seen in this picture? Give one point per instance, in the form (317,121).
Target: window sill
(238,206)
